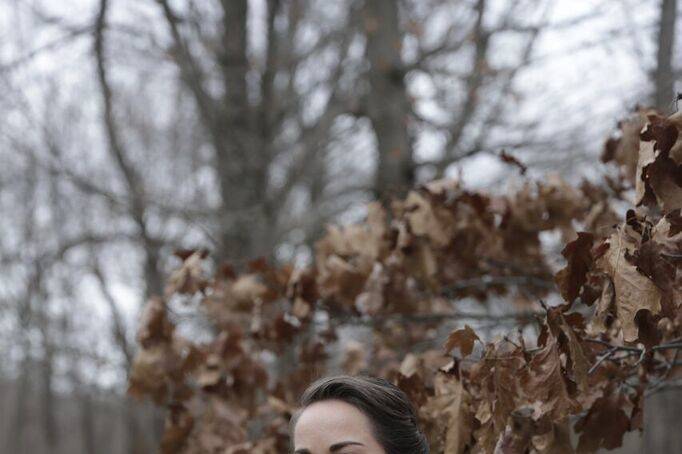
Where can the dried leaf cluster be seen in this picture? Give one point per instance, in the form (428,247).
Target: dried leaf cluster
(578,386)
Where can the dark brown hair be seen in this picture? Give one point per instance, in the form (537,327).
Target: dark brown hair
(394,423)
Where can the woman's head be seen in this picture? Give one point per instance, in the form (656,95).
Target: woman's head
(356,415)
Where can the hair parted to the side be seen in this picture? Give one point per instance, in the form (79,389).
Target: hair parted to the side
(393,418)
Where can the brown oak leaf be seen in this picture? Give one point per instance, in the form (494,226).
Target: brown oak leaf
(578,254)
(633,290)
(463,339)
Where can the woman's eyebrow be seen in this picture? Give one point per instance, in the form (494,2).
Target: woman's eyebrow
(336,446)
(333,448)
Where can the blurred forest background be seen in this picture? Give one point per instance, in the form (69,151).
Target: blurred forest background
(133,128)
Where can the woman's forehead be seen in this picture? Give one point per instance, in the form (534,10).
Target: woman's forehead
(331,417)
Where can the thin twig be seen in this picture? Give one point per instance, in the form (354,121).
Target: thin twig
(601,359)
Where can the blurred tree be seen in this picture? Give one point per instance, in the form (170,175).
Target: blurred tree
(257,104)
(388,103)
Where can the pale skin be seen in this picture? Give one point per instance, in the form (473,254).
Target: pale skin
(334,427)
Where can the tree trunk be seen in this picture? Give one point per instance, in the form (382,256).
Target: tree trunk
(664,75)
(48,416)
(241,157)
(661,422)
(87,422)
(662,409)
(388,105)
(15,440)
